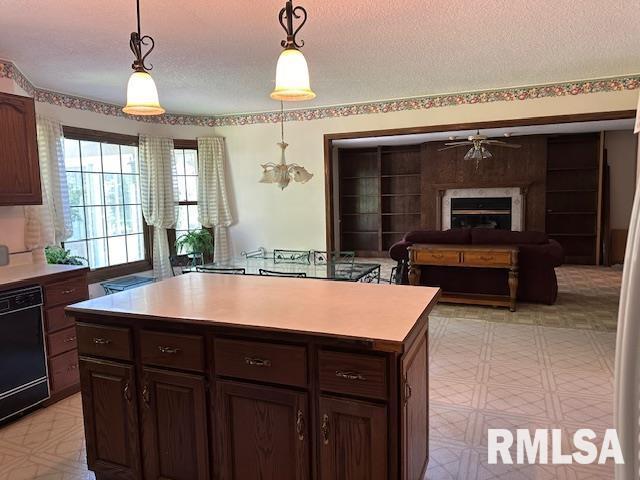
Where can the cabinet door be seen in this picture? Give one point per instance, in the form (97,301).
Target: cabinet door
(353,440)
(20,179)
(174,422)
(262,433)
(110,419)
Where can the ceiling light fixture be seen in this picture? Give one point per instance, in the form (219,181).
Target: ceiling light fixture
(281,173)
(292,72)
(142,94)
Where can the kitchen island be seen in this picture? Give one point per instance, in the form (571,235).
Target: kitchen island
(237,377)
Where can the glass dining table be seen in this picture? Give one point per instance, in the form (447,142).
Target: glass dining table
(348,271)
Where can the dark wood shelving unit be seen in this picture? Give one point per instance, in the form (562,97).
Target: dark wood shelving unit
(573,186)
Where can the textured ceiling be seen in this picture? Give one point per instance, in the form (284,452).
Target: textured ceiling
(215,57)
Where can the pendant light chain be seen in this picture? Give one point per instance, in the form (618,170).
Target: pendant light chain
(138,13)
(281,121)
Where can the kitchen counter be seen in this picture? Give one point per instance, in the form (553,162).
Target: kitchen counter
(384,314)
(12,276)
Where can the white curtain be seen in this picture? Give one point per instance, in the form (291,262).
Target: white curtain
(49,223)
(159,195)
(627,370)
(213,204)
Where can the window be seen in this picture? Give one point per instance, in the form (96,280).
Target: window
(186,156)
(104,195)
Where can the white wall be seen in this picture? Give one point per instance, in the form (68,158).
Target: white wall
(621,155)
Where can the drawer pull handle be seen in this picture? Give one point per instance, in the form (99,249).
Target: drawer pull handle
(68,291)
(486,258)
(145,395)
(168,350)
(101,341)
(324,428)
(407,392)
(257,362)
(437,255)
(69,339)
(300,425)
(350,375)
(126,392)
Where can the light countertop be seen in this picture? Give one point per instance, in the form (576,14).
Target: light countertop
(12,275)
(382,313)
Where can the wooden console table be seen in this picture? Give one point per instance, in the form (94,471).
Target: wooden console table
(475,256)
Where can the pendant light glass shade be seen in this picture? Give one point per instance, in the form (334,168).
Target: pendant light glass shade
(142,95)
(292,77)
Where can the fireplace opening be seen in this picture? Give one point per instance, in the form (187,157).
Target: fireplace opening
(493,213)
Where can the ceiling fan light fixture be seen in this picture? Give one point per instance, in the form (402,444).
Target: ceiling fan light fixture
(292,77)
(142,95)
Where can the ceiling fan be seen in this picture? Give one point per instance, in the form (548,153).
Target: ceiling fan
(479,144)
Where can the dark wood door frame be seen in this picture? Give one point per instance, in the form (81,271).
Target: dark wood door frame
(517,122)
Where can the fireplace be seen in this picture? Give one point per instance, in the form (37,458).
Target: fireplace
(482,212)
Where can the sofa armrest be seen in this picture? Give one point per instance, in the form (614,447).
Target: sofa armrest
(549,254)
(555,252)
(398,250)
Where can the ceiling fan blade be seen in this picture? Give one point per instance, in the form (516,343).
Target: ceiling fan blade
(499,143)
(465,142)
(449,147)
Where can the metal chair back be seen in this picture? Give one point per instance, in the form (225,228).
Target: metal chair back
(181,261)
(292,256)
(324,257)
(224,271)
(272,273)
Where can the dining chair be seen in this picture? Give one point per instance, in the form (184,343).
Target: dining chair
(224,271)
(292,256)
(181,261)
(323,257)
(272,273)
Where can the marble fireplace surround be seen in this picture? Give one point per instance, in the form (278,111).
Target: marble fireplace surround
(518,195)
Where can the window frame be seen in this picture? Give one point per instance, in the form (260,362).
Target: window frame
(109,272)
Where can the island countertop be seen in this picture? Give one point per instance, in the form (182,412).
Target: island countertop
(384,314)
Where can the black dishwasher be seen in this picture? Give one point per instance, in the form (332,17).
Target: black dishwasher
(23,359)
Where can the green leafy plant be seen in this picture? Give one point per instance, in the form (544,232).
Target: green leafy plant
(60,256)
(195,242)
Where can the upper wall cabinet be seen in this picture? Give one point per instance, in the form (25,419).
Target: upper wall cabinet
(19,169)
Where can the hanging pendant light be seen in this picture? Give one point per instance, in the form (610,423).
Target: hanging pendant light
(142,94)
(292,72)
(282,173)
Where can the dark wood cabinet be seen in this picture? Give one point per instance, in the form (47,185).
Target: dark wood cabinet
(174,426)
(264,432)
(353,440)
(20,179)
(110,418)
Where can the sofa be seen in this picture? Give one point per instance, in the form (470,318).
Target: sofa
(537,259)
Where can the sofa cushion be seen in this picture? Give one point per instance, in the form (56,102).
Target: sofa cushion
(449,237)
(485,236)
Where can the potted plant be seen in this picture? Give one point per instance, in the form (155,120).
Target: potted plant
(197,244)
(60,256)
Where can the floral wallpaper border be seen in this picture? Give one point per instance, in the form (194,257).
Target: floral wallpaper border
(631,82)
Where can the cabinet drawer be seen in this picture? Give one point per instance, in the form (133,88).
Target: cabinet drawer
(55,319)
(487,258)
(61,341)
(172,350)
(261,361)
(63,371)
(101,341)
(444,257)
(65,292)
(353,373)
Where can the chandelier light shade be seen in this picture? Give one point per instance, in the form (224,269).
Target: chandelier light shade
(142,94)
(292,71)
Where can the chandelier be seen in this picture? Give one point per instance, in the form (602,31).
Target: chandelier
(292,72)
(282,173)
(142,95)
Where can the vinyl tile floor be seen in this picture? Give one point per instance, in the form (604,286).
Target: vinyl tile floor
(485,372)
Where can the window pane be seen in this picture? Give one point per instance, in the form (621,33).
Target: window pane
(117,250)
(135,247)
(78,249)
(115,220)
(129,159)
(133,217)
(93,194)
(183,220)
(74,184)
(131,188)
(179,156)
(97,250)
(77,220)
(112,189)
(190,162)
(95,222)
(192,189)
(90,152)
(72,155)
(182,189)
(111,158)
(193,217)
